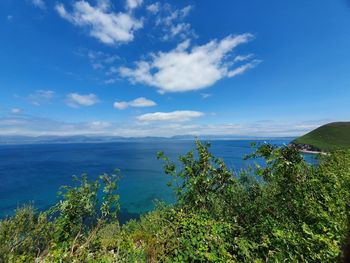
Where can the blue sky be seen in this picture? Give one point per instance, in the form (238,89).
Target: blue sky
(164,68)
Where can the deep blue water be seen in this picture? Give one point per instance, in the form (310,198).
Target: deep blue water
(35,172)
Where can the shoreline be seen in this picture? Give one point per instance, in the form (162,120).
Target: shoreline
(312,152)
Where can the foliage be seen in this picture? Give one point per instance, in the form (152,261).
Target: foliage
(173,235)
(285,210)
(25,235)
(288,209)
(201,238)
(203,181)
(64,230)
(303,210)
(79,209)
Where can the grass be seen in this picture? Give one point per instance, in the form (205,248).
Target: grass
(329,137)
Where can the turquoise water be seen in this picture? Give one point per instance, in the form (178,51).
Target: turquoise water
(35,172)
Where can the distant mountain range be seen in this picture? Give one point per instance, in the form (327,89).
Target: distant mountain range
(329,137)
(14,139)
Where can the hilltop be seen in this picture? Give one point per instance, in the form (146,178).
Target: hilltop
(329,137)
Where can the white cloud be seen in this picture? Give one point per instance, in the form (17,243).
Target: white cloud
(40,97)
(110,81)
(104,4)
(16,110)
(175,116)
(22,124)
(179,28)
(243,68)
(185,11)
(9,18)
(241,58)
(108,27)
(75,100)
(97,66)
(171,21)
(139,102)
(185,69)
(101,60)
(39,3)
(112,70)
(121,105)
(174,15)
(142,102)
(132,4)
(99,125)
(205,95)
(154,8)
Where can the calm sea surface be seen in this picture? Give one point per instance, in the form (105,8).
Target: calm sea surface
(35,172)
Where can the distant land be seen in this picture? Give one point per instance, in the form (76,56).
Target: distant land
(329,137)
(16,139)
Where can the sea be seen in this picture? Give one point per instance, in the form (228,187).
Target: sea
(33,173)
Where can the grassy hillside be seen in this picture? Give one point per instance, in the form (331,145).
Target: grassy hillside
(328,137)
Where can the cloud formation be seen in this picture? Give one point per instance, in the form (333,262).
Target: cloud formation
(76,100)
(205,95)
(101,60)
(99,125)
(171,21)
(139,102)
(16,110)
(39,3)
(132,4)
(40,97)
(108,27)
(153,8)
(174,116)
(188,68)
(22,124)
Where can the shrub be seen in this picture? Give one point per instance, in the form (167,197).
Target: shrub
(25,235)
(287,209)
(203,181)
(80,210)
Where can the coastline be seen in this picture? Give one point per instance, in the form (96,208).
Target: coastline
(313,152)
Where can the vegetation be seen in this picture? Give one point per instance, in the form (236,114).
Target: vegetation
(284,211)
(329,137)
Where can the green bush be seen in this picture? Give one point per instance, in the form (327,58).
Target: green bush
(288,209)
(203,182)
(25,235)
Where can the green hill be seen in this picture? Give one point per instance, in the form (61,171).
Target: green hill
(329,137)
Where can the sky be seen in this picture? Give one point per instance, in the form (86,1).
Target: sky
(164,68)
